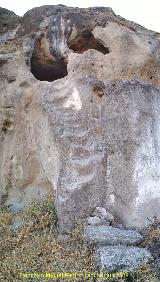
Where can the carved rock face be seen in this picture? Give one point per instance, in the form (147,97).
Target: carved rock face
(132,121)
(76,119)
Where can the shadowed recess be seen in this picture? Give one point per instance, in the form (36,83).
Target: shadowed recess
(44,66)
(86,41)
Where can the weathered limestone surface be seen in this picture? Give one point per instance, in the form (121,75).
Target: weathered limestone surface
(133,119)
(103,213)
(121,258)
(80,114)
(109,235)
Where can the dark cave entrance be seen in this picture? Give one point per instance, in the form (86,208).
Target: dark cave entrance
(44,66)
(49,67)
(49,71)
(85,42)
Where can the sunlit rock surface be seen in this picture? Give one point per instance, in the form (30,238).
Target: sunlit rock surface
(80,114)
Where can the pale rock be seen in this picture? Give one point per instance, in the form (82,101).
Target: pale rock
(82,117)
(103,213)
(95,220)
(119,225)
(121,258)
(109,235)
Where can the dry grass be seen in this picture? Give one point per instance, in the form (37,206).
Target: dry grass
(5,219)
(5,216)
(36,248)
(143,274)
(147,272)
(153,237)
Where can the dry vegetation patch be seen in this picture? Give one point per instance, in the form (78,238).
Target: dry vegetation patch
(36,247)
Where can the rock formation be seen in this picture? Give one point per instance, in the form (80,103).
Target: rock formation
(80,113)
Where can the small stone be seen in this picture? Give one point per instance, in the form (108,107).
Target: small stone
(120,226)
(121,258)
(109,235)
(103,213)
(95,220)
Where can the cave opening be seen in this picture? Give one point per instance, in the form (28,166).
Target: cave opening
(49,71)
(44,66)
(86,41)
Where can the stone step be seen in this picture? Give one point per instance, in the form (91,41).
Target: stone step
(82,151)
(76,125)
(72,115)
(78,171)
(67,115)
(73,183)
(60,110)
(108,235)
(87,161)
(87,148)
(80,134)
(82,170)
(79,137)
(69,124)
(70,129)
(67,131)
(111,259)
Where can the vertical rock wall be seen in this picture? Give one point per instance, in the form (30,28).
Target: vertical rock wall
(79,112)
(132,136)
